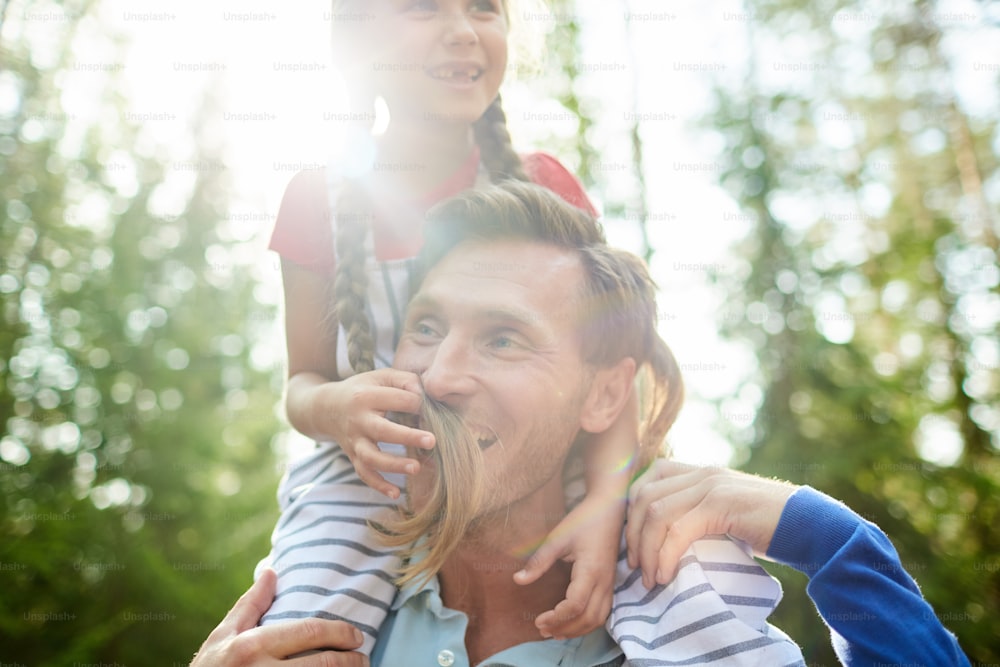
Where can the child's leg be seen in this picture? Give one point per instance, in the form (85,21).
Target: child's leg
(329,562)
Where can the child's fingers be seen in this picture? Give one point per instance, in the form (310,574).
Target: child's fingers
(366,452)
(566,625)
(374,459)
(586,607)
(378,482)
(558,622)
(390,399)
(384,430)
(540,562)
(400,379)
(598,586)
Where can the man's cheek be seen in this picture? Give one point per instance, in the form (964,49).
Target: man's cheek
(409,357)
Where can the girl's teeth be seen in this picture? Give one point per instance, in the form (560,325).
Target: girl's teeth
(457,74)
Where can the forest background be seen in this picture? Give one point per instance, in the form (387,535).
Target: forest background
(815,186)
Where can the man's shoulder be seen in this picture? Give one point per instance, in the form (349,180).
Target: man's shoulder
(719,600)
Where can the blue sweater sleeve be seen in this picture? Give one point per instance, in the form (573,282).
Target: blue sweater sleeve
(874,609)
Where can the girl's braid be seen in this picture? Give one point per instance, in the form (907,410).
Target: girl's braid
(352,215)
(495,147)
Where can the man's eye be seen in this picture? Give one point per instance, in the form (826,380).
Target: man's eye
(424,329)
(503,342)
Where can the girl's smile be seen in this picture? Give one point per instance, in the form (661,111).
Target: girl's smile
(458,74)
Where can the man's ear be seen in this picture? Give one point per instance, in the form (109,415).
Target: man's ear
(608,396)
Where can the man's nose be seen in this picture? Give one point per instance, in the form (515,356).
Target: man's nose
(448,376)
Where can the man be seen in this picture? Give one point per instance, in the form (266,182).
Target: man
(533,336)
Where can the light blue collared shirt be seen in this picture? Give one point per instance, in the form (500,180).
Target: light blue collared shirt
(422,632)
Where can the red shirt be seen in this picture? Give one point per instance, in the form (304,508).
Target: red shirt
(303,233)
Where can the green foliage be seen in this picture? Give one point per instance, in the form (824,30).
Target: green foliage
(136,472)
(561,81)
(869,293)
(559,76)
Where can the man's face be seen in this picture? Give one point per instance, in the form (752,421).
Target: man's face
(492,333)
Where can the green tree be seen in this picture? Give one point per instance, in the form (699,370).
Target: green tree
(136,472)
(585,150)
(868,288)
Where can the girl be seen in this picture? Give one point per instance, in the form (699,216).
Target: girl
(347,237)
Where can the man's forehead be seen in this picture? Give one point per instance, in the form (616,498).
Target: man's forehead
(528,262)
(533,272)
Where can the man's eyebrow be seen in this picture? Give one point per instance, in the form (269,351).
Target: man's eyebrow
(423,301)
(514,315)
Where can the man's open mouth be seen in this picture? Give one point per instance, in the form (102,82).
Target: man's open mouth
(484,436)
(485,442)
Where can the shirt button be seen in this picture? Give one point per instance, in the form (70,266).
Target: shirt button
(446,658)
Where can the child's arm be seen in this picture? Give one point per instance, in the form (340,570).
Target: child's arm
(589,536)
(351,411)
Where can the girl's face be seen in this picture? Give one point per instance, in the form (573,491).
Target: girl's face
(431,60)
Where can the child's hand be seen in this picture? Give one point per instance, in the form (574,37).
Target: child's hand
(588,537)
(354,414)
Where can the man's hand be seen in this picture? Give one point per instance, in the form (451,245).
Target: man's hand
(673,504)
(237,641)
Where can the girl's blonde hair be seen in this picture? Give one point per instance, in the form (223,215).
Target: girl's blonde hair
(450,509)
(617,319)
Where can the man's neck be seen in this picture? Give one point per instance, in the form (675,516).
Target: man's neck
(477,578)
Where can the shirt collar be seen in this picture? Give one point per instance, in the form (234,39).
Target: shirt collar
(412,589)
